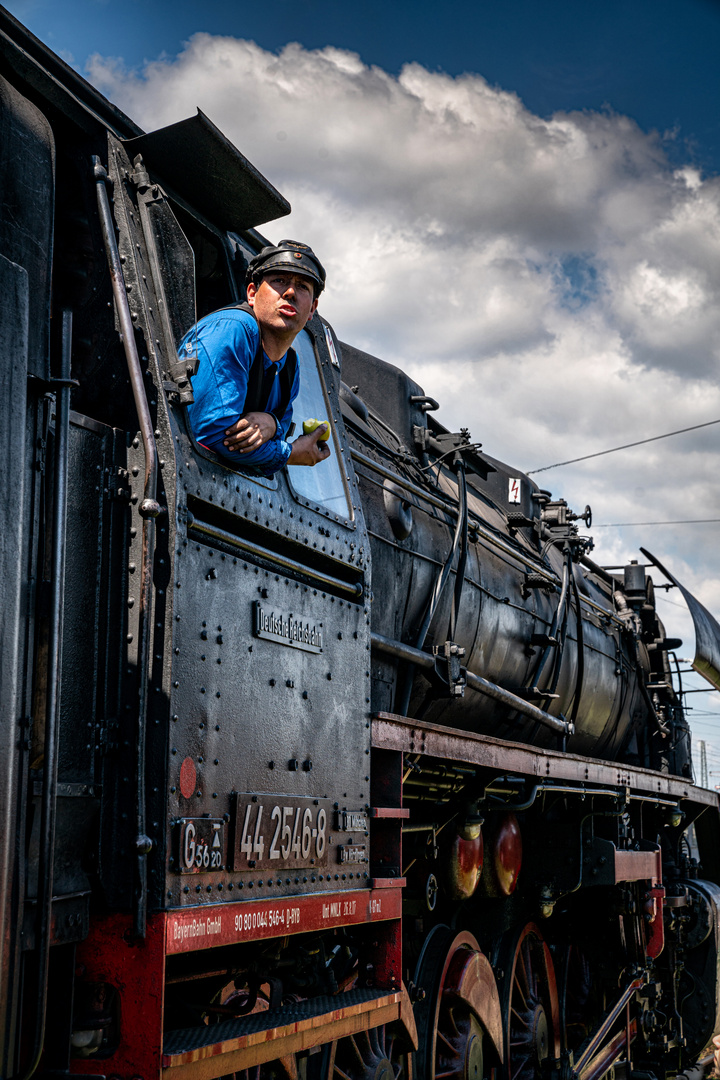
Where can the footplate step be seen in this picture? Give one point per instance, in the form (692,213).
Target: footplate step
(205,1053)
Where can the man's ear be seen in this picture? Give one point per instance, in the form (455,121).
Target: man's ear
(251,293)
(313,309)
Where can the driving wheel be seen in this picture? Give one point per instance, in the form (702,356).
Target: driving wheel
(530,1005)
(460,1002)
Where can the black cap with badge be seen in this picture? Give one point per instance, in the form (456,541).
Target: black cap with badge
(288,255)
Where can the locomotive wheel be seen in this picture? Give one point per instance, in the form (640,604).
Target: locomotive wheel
(369,1055)
(452,1042)
(530,1005)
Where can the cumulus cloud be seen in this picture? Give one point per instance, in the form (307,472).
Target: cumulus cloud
(554,282)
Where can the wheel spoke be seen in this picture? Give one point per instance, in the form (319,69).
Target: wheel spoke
(521,1017)
(356,1051)
(450,1045)
(518,987)
(520,1067)
(524,966)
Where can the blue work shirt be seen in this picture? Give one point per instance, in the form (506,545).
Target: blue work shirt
(226,343)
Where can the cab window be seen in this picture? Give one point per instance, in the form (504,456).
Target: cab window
(323,483)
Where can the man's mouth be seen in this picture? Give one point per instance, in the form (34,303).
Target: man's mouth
(288,309)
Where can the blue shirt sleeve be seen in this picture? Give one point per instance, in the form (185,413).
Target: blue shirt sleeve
(226,343)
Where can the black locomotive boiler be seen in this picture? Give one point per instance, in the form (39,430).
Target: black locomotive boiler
(365,771)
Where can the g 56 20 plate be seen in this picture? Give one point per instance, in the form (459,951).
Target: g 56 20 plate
(201,845)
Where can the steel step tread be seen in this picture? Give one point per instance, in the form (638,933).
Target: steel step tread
(188,1040)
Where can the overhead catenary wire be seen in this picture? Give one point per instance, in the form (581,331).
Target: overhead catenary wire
(625,446)
(629,524)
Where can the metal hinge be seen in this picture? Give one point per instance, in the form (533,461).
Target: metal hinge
(118,485)
(41,447)
(106,735)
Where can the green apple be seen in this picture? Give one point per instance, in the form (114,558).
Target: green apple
(310,425)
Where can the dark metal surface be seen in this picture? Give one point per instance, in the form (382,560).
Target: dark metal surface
(52,727)
(172,264)
(204,167)
(14,495)
(26,215)
(707,630)
(431,497)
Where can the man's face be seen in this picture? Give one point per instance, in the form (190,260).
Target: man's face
(283,301)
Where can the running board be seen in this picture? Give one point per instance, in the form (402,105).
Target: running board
(205,1053)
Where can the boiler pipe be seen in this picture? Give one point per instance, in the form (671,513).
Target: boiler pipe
(422,659)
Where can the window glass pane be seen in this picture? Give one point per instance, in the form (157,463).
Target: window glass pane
(321,483)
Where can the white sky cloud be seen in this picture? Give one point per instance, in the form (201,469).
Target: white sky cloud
(553,282)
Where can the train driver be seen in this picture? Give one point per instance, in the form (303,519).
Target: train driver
(247,375)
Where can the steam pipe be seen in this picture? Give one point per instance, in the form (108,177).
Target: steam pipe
(580,651)
(558,614)
(462,560)
(422,659)
(440,583)
(567,574)
(405,689)
(149,510)
(50,751)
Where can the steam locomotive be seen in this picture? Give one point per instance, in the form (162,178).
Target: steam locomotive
(360,772)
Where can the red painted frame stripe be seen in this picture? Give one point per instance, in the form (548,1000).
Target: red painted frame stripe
(206,927)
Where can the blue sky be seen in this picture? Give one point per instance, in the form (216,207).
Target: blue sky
(517,202)
(654,60)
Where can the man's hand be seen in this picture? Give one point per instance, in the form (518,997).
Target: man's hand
(309,449)
(250,432)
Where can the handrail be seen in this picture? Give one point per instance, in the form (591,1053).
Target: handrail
(149,510)
(214,532)
(401,651)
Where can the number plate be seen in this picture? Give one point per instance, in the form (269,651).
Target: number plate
(275,831)
(201,845)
